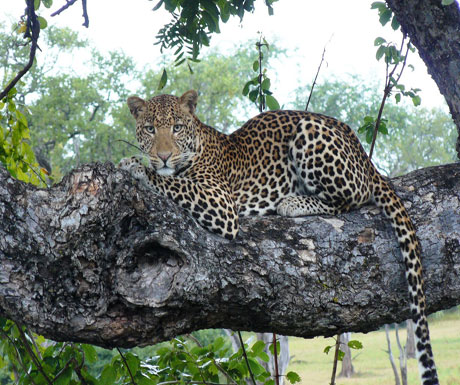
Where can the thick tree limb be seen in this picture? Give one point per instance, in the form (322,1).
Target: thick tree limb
(433,28)
(99,259)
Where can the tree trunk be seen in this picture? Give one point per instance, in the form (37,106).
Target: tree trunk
(99,259)
(347,364)
(402,357)
(410,340)
(434,29)
(390,356)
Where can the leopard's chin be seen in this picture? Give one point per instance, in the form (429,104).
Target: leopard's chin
(166,171)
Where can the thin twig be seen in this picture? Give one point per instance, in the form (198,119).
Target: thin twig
(35,172)
(261,98)
(317,73)
(85,14)
(336,358)
(386,92)
(127,366)
(63,369)
(68,4)
(275,356)
(24,369)
(34,343)
(78,366)
(32,32)
(246,358)
(32,354)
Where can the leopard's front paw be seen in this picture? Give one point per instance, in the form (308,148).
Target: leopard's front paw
(128,163)
(134,166)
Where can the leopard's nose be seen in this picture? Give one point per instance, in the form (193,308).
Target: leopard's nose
(164,156)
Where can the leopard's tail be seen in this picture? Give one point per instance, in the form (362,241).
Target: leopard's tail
(393,208)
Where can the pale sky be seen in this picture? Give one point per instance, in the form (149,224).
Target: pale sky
(301,26)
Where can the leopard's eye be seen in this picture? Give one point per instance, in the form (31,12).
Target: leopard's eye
(150,129)
(177,127)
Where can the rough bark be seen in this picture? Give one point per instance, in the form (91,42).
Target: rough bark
(99,259)
(434,29)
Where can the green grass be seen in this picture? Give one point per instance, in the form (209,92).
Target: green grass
(371,364)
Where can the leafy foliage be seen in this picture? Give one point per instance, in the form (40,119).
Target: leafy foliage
(15,150)
(34,360)
(194,21)
(258,88)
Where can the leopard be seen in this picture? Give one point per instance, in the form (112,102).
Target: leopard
(285,162)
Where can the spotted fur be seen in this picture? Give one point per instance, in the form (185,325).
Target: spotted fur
(293,163)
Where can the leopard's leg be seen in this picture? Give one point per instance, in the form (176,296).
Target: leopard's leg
(332,172)
(208,202)
(302,205)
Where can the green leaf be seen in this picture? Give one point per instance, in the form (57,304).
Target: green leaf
(369,136)
(380,52)
(265,84)
(224,10)
(253,95)
(263,356)
(278,346)
(416,100)
(36,4)
(368,119)
(379,41)
(47,3)
(398,97)
(246,87)
(210,21)
(43,22)
(272,104)
(385,16)
(255,65)
(293,377)
(256,368)
(447,2)
(163,80)
(64,378)
(218,343)
(340,355)
(158,5)
(383,128)
(258,347)
(395,23)
(355,344)
(327,349)
(90,353)
(108,376)
(133,362)
(380,5)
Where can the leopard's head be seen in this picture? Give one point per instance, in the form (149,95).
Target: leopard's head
(166,130)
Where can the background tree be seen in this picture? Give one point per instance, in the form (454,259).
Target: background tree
(417,137)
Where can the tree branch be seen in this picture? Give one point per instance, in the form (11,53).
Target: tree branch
(32,32)
(99,259)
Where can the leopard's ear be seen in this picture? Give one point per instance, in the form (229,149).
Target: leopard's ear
(188,101)
(136,105)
